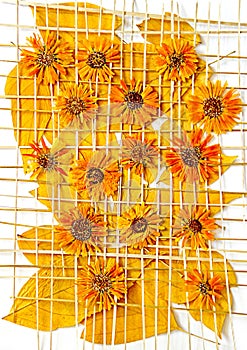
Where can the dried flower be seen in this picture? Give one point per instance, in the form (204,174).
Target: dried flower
(95,58)
(139,226)
(192,159)
(43,161)
(135,105)
(101,282)
(177,59)
(214,107)
(80,230)
(195,226)
(47,58)
(203,291)
(76,104)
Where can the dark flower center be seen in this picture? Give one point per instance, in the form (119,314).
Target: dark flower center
(102,283)
(75,105)
(191,156)
(195,225)
(204,288)
(176,59)
(95,176)
(138,154)
(46,59)
(213,107)
(96,59)
(134,100)
(46,161)
(81,229)
(139,225)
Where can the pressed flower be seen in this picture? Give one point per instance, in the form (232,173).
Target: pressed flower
(138,154)
(134,105)
(47,58)
(80,230)
(94,60)
(177,59)
(43,160)
(215,107)
(192,158)
(101,283)
(195,226)
(76,104)
(203,291)
(95,175)
(139,226)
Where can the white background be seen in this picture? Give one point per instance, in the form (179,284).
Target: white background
(13,337)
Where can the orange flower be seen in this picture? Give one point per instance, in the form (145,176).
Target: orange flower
(101,282)
(203,291)
(215,107)
(139,155)
(139,226)
(47,57)
(95,175)
(43,161)
(76,104)
(80,230)
(192,159)
(94,60)
(135,105)
(194,225)
(177,59)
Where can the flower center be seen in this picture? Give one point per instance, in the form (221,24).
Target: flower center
(176,59)
(95,176)
(102,283)
(213,107)
(96,59)
(81,229)
(75,105)
(195,226)
(138,154)
(46,59)
(139,225)
(191,156)
(46,161)
(204,288)
(134,100)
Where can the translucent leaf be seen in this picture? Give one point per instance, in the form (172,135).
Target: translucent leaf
(80,18)
(30,107)
(158,30)
(136,320)
(47,300)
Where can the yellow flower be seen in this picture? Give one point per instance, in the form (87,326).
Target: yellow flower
(95,175)
(43,161)
(135,105)
(140,155)
(202,290)
(76,104)
(194,225)
(214,107)
(95,58)
(81,230)
(192,158)
(177,59)
(47,58)
(139,226)
(101,283)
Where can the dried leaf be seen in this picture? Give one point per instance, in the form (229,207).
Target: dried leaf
(30,107)
(158,30)
(47,300)
(213,262)
(76,19)
(137,320)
